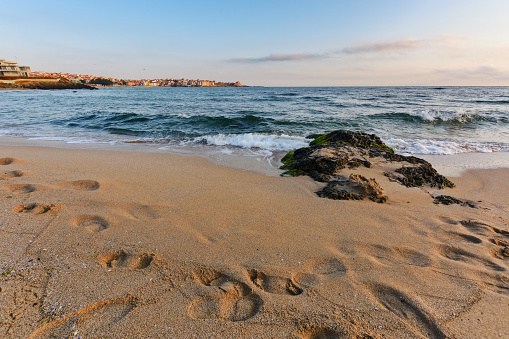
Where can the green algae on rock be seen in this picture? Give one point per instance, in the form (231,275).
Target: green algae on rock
(328,154)
(350,138)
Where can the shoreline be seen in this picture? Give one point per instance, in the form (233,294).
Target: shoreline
(123,243)
(232,157)
(247,159)
(15,83)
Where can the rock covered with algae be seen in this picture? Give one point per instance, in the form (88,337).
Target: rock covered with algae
(329,155)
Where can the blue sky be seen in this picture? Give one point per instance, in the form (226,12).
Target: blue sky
(270,43)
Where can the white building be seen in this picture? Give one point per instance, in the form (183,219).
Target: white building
(11,69)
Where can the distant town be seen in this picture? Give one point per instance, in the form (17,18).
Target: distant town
(11,69)
(103,81)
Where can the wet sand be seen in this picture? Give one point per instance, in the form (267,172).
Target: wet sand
(125,244)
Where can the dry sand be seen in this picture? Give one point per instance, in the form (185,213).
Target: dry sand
(123,244)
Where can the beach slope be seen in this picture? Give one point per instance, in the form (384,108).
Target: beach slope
(125,244)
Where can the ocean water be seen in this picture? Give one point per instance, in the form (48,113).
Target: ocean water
(412,120)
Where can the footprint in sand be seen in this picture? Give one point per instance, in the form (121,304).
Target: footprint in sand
(273,284)
(89,322)
(407,310)
(12,174)
(448,220)
(233,300)
(113,259)
(502,249)
(318,332)
(462,237)
(458,254)
(483,229)
(92,223)
(319,269)
(21,188)
(7,161)
(497,282)
(142,212)
(141,261)
(500,231)
(496,236)
(116,259)
(400,255)
(82,185)
(36,208)
(475,226)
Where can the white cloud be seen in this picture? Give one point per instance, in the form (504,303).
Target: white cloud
(279,57)
(372,47)
(384,46)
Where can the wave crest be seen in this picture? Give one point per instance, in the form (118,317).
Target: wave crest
(431,115)
(442,147)
(255,140)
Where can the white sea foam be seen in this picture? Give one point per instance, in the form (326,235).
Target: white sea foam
(255,140)
(421,146)
(435,115)
(72,140)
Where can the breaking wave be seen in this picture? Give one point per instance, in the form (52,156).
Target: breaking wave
(255,140)
(422,146)
(431,115)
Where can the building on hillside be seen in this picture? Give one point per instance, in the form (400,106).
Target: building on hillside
(206,83)
(11,69)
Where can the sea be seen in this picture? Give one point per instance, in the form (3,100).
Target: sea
(260,122)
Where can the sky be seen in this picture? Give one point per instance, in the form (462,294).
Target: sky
(265,43)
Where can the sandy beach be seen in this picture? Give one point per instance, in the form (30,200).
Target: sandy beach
(98,243)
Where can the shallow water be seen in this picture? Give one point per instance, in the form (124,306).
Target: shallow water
(259,120)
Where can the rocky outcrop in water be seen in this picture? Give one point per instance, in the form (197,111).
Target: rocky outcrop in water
(329,156)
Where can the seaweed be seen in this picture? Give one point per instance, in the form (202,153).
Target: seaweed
(288,163)
(319,139)
(357,139)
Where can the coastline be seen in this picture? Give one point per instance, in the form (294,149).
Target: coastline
(453,165)
(26,83)
(129,243)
